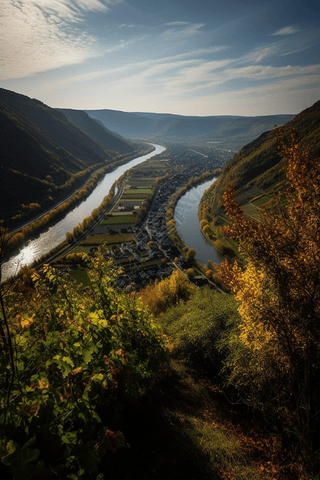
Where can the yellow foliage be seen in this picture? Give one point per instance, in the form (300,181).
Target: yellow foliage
(278,290)
(170,291)
(27,322)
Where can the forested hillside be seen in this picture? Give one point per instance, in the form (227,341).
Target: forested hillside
(44,156)
(257,168)
(103,136)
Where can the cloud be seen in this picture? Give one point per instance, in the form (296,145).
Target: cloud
(176,23)
(145,66)
(189,31)
(38,35)
(125,25)
(260,72)
(286,31)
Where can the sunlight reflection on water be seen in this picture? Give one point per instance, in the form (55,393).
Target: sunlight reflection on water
(55,234)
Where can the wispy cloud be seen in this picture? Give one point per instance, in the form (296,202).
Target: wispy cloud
(287,31)
(146,66)
(37,35)
(190,30)
(176,23)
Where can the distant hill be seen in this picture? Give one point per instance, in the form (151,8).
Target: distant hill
(231,132)
(42,152)
(96,130)
(257,168)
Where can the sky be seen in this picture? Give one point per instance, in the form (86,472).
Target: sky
(203,57)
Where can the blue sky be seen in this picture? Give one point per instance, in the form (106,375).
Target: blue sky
(204,57)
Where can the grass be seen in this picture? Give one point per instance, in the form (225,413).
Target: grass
(251,210)
(118,219)
(261,200)
(182,430)
(110,239)
(135,191)
(195,322)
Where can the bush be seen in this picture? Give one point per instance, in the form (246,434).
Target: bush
(70,361)
(168,292)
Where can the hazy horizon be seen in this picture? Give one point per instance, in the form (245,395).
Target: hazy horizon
(183,58)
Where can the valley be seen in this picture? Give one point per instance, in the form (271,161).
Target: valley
(120,335)
(135,228)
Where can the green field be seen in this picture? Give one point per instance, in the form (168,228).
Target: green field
(261,200)
(139,181)
(138,191)
(251,211)
(106,238)
(119,219)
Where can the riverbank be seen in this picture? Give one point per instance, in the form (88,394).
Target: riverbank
(19,236)
(54,235)
(212,225)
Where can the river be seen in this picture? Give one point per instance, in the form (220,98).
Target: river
(188,228)
(44,242)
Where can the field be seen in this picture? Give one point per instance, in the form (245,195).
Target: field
(138,191)
(251,211)
(118,219)
(110,239)
(261,200)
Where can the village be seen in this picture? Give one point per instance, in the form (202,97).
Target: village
(134,231)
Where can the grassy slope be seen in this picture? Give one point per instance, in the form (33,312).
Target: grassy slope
(185,428)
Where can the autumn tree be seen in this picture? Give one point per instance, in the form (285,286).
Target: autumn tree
(190,254)
(274,357)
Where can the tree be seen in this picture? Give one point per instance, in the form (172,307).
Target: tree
(190,254)
(274,357)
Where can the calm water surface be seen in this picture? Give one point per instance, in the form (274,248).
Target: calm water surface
(55,234)
(188,228)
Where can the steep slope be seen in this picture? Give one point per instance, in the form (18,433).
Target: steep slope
(96,130)
(43,155)
(231,132)
(256,168)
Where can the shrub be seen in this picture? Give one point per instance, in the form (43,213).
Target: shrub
(71,359)
(168,292)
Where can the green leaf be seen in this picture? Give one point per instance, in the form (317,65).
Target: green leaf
(28,443)
(31,455)
(87,356)
(68,360)
(69,437)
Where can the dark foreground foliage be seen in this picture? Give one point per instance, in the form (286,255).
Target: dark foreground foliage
(71,358)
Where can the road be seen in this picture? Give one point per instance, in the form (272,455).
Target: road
(64,251)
